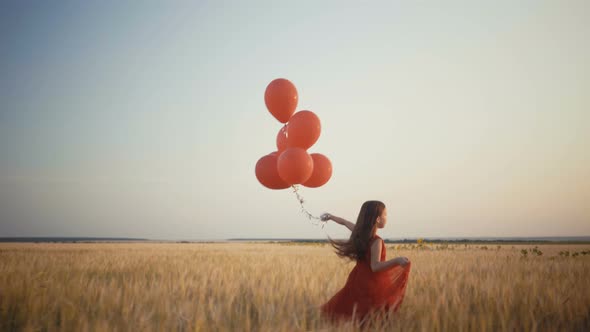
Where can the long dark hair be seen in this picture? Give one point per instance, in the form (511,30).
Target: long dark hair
(356,247)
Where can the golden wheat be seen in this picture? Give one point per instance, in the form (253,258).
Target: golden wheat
(274,287)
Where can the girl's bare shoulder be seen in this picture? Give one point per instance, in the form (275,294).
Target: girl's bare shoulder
(375,237)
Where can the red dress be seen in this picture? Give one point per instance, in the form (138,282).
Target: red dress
(366,290)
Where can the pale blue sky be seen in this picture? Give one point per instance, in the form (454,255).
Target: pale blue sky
(146,119)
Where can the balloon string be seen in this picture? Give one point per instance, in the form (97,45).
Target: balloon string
(313,219)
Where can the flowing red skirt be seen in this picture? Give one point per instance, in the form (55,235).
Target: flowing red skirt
(366,291)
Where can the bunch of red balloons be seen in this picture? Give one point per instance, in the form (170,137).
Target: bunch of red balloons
(291,163)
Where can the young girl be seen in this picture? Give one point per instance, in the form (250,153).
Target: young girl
(374,283)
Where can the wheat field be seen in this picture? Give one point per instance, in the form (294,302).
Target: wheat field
(278,287)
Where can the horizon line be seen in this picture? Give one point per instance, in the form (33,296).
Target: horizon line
(127,238)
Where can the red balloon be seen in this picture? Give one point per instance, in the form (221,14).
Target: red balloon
(282,139)
(267,174)
(303,130)
(295,165)
(322,171)
(281,99)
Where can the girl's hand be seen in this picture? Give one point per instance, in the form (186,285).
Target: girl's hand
(325,217)
(402,261)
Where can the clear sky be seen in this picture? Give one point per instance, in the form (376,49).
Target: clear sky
(146,118)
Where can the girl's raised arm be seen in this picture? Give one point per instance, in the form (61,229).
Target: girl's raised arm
(338,220)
